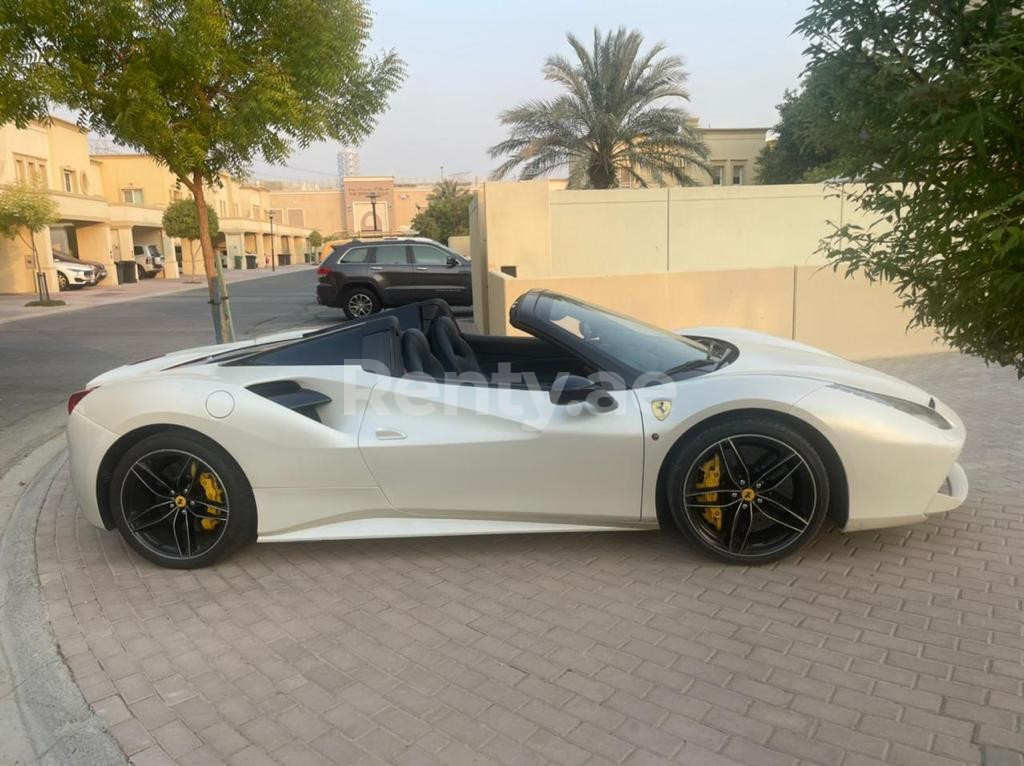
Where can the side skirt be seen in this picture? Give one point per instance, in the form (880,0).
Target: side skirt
(368,529)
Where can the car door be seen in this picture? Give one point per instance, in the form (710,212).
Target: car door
(440,274)
(441,449)
(392,272)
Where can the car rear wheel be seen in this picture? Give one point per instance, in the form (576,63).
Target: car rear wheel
(748,491)
(359,302)
(181,502)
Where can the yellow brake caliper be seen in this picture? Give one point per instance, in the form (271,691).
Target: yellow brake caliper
(215,495)
(711,474)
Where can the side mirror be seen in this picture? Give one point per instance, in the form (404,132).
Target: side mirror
(452,261)
(568,389)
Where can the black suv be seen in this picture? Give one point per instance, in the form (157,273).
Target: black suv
(361,277)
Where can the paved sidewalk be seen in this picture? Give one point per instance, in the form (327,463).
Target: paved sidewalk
(903,646)
(13,308)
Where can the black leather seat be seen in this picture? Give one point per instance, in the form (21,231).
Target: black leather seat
(454,354)
(416,356)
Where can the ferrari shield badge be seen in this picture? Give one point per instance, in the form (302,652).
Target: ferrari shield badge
(661,408)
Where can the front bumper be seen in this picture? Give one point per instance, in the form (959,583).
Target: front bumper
(899,469)
(81,277)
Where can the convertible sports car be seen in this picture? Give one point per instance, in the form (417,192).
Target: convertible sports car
(401,425)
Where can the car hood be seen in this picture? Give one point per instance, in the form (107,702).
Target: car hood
(763,354)
(158,364)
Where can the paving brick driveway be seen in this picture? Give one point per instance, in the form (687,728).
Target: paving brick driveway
(903,646)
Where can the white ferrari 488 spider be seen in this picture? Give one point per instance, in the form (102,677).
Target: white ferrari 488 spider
(401,425)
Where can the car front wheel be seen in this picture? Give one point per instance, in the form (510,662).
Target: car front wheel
(62,281)
(359,302)
(181,502)
(748,490)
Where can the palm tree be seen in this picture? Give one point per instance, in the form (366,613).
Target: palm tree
(619,118)
(447,188)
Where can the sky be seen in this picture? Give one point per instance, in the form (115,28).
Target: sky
(468,60)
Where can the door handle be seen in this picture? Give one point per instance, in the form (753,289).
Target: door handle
(389,434)
(421,268)
(376,268)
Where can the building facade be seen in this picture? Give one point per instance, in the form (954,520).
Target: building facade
(363,206)
(110,204)
(251,232)
(733,155)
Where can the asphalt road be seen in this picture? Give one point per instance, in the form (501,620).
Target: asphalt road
(43,360)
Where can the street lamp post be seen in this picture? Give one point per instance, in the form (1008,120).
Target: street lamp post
(373,208)
(273,256)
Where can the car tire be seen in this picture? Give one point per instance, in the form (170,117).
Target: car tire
(748,490)
(62,281)
(359,302)
(181,501)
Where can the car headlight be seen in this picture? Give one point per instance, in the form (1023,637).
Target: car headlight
(919,411)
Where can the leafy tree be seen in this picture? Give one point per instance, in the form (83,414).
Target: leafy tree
(801,151)
(928,108)
(25,210)
(204,86)
(447,212)
(619,117)
(181,220)
(316,241)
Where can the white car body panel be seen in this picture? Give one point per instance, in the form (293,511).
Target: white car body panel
(456,456)
(372,470)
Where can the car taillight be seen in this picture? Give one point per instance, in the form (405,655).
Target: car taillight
(323,271)
(76,397)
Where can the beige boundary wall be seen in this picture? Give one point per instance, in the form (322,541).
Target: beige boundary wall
(850,317)
(460,244)
(741,256)
(541,229)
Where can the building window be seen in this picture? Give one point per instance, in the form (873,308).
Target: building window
(30,169)
(131,196)
(256,212)
(68,179)
(296,216)
(223,209)
(175,194)
(737,175)
(234,209)
(717,174)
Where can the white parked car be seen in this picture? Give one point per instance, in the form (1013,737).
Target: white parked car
(149,259)
(73,273)
(401,425)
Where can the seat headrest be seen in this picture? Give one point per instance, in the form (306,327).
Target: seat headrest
(416,355)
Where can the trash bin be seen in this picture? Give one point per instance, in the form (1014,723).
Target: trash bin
(238,261)
(250,262)
(284,259)
(127,271)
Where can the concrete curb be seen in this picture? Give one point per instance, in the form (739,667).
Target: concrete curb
(43,715)
(180,288)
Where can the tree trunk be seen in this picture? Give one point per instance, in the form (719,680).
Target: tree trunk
(223,329)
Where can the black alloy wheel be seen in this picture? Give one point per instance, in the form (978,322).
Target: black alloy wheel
(180,502)
(749,492)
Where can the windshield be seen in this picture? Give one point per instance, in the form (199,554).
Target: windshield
(641,346)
